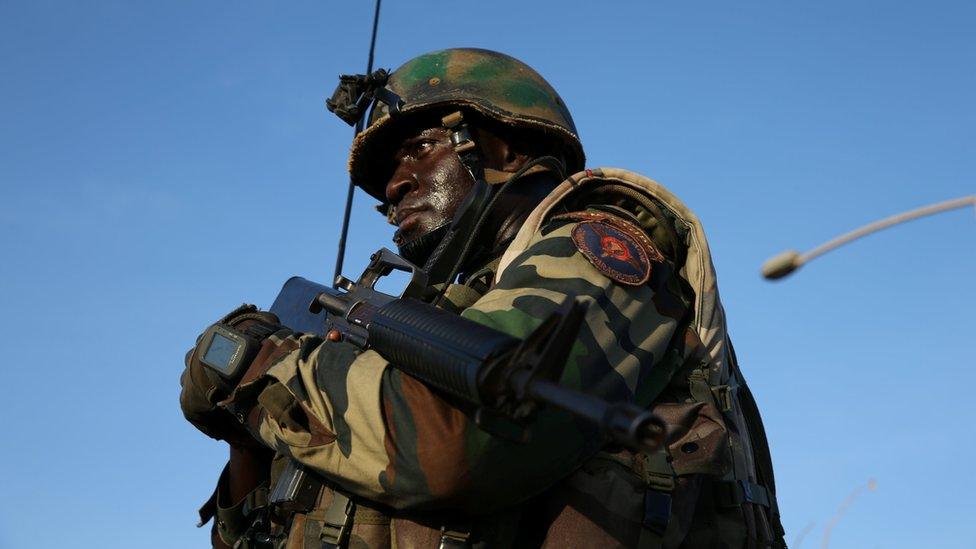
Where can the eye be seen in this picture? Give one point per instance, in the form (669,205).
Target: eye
(416,148)
(424,146)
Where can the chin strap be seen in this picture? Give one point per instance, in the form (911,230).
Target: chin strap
(439,266)
(419,250)
(537,164)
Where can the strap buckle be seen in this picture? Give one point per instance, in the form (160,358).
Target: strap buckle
(337,522)
(461,137)
(296,490)
(453,538)
(723,398)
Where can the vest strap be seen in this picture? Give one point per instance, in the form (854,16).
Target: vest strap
(736,492)
(657,511)
(237,522)
(760,446)
(209,508)
(658,477)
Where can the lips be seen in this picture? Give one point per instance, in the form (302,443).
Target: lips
(407,221)
(407,216)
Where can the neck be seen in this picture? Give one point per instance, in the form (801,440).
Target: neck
(509,213)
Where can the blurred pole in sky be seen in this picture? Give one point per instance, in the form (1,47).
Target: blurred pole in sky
(871,486)
(785,263)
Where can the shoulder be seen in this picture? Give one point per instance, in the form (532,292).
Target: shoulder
(613,242)
(620,220)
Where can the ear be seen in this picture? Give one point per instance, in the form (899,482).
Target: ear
(514,159)
(499,153)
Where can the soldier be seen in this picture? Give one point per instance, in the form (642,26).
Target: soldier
(394,462)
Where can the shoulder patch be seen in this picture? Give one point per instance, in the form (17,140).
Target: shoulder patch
(614,246)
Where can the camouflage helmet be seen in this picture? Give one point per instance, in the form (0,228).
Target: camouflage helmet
(492,84)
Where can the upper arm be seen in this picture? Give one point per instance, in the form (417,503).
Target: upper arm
(627,328)
(388,437)
(626,332)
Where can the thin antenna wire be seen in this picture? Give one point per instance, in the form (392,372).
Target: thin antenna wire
(341,252)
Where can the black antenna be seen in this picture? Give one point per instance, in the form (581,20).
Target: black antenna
(341,253)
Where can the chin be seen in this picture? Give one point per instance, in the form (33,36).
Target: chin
(414,231)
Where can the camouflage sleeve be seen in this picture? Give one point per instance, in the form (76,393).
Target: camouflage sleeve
(385,436)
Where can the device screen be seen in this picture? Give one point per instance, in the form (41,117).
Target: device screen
(221,352)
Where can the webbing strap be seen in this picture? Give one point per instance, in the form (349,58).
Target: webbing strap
(337,521)
(657,511)
(736,492)
(458,297)
(741,491)
(484,276)
(650,538)
(233,523)
(209,508)
(760,445)
(657,476)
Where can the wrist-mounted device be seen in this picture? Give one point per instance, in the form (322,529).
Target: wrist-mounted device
(227,351)
(229,346)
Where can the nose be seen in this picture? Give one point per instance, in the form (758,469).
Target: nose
(400,184)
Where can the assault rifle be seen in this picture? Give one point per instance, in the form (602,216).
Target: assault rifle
(505,379)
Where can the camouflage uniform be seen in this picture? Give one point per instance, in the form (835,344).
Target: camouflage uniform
(421,472)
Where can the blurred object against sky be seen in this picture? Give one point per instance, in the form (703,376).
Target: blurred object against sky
(785,263)
(161,162)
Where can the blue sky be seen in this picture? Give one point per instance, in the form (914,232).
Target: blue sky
(161,162)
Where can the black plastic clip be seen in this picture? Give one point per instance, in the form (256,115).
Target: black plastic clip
(355,92)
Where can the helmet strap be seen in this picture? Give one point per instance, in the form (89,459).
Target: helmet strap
(440,264)
(419,249)
(543,163)
(464,145)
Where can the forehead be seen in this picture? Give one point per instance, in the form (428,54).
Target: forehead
(384,156)
(436,131)
(414,127)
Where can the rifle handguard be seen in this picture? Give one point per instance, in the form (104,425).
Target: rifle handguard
(437,347)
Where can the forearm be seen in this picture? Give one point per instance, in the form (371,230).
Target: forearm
(387,437)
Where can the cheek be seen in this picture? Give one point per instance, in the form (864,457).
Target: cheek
(449,183)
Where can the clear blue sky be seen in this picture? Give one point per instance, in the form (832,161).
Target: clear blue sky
(161,162)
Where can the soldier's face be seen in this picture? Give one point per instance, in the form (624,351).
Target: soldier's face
(428,183)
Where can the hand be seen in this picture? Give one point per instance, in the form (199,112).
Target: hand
(204,388)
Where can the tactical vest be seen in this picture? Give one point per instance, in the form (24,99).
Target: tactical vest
(695,496)
(711,486)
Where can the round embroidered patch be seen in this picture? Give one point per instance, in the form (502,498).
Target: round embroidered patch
(613,252)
